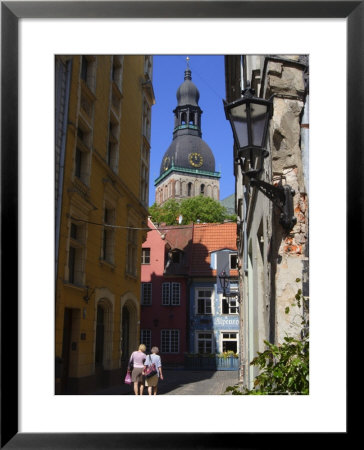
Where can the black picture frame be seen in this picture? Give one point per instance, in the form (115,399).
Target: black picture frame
(11,12)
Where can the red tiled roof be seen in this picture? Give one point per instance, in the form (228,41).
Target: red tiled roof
(178,237)
(209,238)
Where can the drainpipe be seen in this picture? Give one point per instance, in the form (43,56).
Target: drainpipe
(61,162)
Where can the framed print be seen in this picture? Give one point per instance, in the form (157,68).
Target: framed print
(12,13)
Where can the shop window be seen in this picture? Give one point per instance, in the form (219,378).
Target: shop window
(230,342)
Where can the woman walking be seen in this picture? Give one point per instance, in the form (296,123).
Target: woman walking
(152,382)
(136,361)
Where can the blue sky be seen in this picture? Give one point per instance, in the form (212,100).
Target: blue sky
(208,74)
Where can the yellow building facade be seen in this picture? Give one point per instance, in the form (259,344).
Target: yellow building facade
(103,119)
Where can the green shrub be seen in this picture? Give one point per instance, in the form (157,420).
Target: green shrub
(228,354)
(284,368)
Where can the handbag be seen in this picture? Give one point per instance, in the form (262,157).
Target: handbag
(151,370)
(127,378)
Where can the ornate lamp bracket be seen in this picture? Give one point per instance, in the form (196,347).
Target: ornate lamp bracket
(282,197)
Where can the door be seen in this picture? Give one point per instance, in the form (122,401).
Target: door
(100,336)
(126,351)
(66,344)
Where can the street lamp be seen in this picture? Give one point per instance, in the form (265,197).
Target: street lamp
(224,281)
(225,284)
(249,118)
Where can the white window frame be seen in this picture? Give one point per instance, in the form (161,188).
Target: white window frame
(169,291)
(229,300)
(166,293)
(146,338)
(234,285)
(236,255)
(198,339)
(150,288)
(175,294)
(212,298)
(222,339)
(143,255)
(166,348)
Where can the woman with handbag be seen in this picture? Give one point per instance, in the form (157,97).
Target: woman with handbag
(136,367)
(153,371)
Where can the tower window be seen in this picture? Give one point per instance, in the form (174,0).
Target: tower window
(189,189)
(202,189)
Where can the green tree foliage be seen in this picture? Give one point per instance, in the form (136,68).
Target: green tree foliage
(203,209)
(284,368)
(167,213)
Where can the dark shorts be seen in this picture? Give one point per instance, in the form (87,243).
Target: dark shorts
(137,374)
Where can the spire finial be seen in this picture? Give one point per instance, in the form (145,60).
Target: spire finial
(188,69)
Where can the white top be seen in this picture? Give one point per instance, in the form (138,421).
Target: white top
(156,359)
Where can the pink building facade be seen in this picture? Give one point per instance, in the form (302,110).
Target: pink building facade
(164,301)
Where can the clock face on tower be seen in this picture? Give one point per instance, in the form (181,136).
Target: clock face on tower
(166,162)
(195,159)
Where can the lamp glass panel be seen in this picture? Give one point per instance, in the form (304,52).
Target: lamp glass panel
(259,116)
(239,121)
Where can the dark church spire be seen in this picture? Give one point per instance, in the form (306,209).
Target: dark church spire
(188,70)
(188,165)
(187,93)
(187,115)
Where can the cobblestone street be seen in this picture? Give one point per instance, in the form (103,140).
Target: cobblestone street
(184,382)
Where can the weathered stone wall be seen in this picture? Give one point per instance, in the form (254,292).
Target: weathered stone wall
(270,258)
(284,78)
(287,83)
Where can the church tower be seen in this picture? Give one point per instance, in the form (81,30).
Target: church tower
(188,166)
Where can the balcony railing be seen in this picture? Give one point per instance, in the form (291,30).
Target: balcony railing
(211,362)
